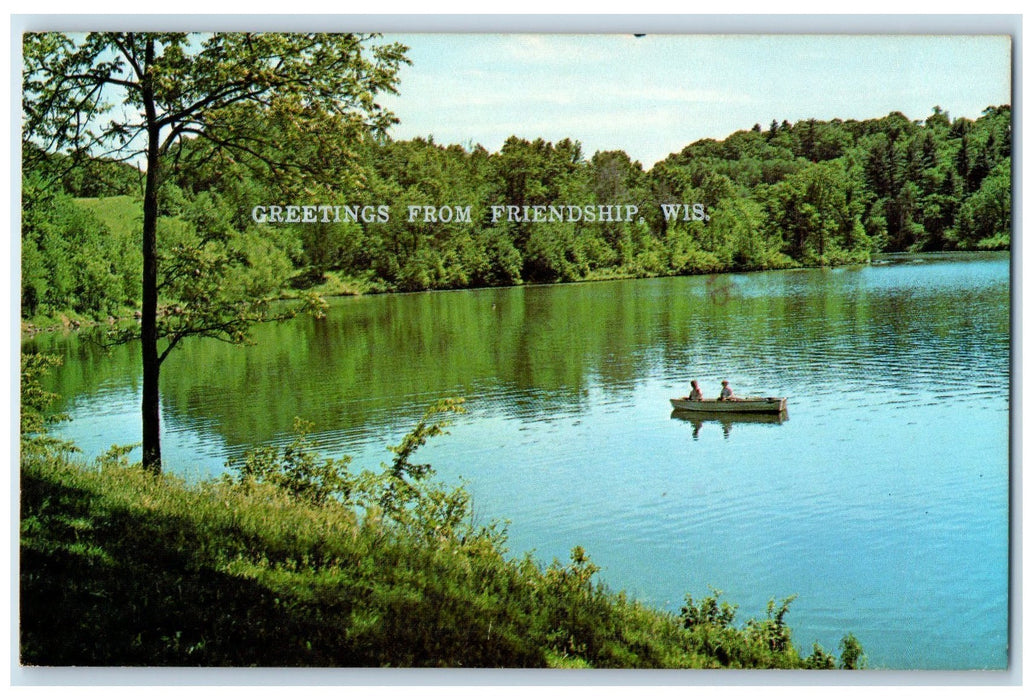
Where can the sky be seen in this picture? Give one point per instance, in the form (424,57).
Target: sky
(653,95)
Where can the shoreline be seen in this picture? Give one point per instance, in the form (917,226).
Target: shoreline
(71,323)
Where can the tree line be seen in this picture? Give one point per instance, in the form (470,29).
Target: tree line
(805,194)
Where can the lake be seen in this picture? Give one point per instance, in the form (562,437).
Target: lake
(881,501)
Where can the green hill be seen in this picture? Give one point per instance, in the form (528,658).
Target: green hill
(122,215)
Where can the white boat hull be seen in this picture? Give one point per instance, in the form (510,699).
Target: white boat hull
(751,404)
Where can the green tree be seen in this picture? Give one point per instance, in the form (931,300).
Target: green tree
(68,254)
(273,99)
(985,217)
(819,213)
(35,400)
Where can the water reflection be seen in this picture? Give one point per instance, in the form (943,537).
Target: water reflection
(534,353)
(726,420)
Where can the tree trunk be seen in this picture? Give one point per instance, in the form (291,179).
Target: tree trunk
(149,295)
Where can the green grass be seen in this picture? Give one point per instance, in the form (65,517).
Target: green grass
(119,567)
(336,283)
(122,215)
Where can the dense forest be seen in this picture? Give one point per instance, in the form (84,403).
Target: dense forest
(805,194)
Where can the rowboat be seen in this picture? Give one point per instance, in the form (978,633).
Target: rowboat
(746,404)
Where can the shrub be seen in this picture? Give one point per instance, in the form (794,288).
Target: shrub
(851,655)
(296,469)
(35,400)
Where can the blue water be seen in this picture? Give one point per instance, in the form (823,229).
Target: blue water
(881,502)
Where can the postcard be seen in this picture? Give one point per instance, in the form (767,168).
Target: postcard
(515,349)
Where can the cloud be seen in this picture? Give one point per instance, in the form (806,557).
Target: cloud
(513,90)
(552,50)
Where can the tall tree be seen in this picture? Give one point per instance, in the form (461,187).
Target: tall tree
(286,102)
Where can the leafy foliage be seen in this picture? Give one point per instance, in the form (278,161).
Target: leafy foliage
(296,470)
(34,403)
(851,653)
(711,623)
(707,611)
(72,262)
(814,193)
(403,475)
(400,493)
(284,105)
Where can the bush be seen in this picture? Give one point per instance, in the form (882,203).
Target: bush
(296,470)
(35,400)
(851,655)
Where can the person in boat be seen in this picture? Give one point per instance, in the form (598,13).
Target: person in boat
(726,392)
(695,394)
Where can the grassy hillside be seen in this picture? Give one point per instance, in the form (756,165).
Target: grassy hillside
(122,568)
(122,215)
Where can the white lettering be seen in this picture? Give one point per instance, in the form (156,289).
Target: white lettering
(524,213)
(325,213)
(670,211)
